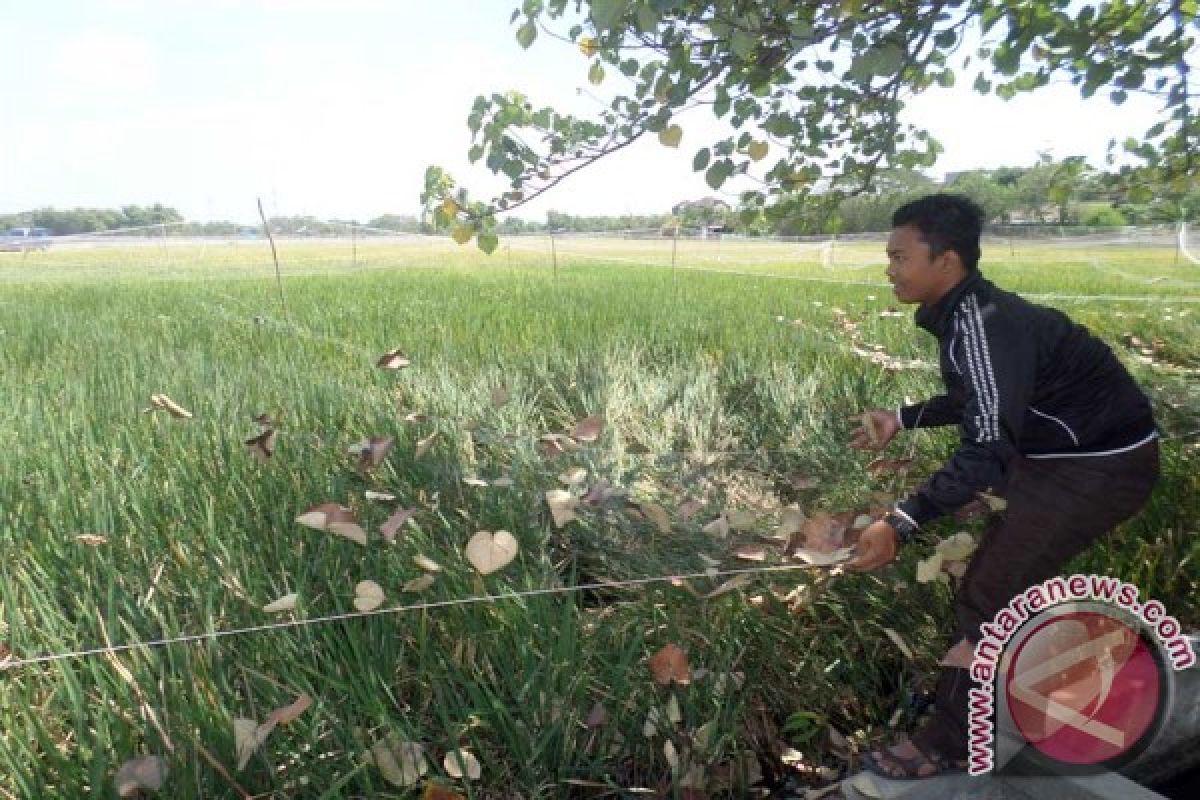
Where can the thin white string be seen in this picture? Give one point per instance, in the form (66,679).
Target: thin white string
(299,623)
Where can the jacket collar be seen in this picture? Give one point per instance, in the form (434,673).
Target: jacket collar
(935,317)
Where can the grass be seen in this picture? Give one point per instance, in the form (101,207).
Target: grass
(200,536)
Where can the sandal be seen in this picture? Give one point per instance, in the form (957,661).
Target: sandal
(894,767)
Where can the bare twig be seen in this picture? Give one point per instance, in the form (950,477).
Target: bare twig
(274,257)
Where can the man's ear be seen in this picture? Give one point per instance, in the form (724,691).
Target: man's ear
(952,262)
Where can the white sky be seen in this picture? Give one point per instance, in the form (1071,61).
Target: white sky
(335,107)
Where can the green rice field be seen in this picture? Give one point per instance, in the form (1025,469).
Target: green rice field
(725,373)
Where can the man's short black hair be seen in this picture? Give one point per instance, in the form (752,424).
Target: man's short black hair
(946,222)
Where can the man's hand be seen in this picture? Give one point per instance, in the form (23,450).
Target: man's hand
(876,548)
(885,425)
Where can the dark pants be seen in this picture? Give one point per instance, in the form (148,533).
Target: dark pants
(1057,508)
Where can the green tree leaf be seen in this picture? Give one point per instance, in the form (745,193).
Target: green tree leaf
(527,33)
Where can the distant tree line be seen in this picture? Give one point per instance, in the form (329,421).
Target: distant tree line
(1051,192)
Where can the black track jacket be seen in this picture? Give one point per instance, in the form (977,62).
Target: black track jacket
(1021,379)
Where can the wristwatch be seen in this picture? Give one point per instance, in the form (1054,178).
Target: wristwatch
(901,523)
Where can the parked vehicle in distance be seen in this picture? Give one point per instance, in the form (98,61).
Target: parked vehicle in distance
(23,239)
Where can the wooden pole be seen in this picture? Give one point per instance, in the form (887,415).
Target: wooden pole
(274,257)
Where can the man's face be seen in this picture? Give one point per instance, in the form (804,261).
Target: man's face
(915,277)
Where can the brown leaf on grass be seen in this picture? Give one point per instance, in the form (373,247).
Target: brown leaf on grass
(890,466)
(601,490)
(143,774)
(489,552)
(371,452)
(874,435)
(670,664)
(499,396)
(562,506)
(319,517)
(477,482)
(588,429)
(573,476)
(265,420)
(262,447)
(248,736)
(657,515)
(5,654)
(393,359)
(791,522)
(385,497)
(91,539)
(741,519)
(462,764)
(401,763)
(823,533)
(293,710)
(597,717)
(435,791)
(161,401)
(719,527)
(368,596)
(426,563)
(818,559)
(503,482)
(285,603)
(415,418)
(392,525)
(689,509)
(750,552)
(423,445)
(419,584)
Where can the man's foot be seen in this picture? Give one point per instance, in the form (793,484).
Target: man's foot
(904,761)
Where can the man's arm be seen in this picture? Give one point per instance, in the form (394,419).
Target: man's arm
(1000,363)
(931,413)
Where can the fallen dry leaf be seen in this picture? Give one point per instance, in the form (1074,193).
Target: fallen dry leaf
(426,563)
(791,522)
(890,466)
(588,429)
(368,595)
(401,763)
(499,396)
(597,717)
(91,539)
(804,482)
(928,569)
(719,527)
(462,764)
(392,525)
(334,519)
(161,401)
(741,520)
(348,530)
(670,664)
(285,603)
(415,417)
(489,552)
(750,552)
(562,506)
(248,736)
(423,445)
(874,435)
(823,533)
(818,559)
(958,547)
(371,452)
(419,584)
(145,773)
(477,482)
(289,713)
(657,515)
(393,359)
(435,791)
(382,496)
(503,481)
(671,755)
(689,509)
(573,476)
(262,447)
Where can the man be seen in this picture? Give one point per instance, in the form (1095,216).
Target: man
(1049,419)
